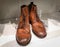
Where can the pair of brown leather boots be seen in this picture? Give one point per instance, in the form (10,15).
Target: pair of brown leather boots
(29,16)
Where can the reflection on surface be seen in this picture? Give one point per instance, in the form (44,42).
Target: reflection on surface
(1,29)
(8,24)
(11,44)
(53,37)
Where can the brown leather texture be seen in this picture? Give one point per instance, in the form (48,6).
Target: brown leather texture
(37,25)
(23,35)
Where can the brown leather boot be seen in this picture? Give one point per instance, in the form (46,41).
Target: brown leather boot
(23,35)
(37,25)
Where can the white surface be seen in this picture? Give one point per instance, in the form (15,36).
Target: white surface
(52,39)
(53,25)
